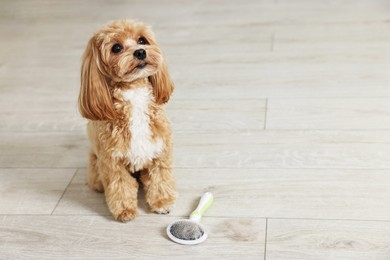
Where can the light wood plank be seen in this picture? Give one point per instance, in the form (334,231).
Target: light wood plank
(42,117)
(288,74)
(80,200)
(324,239)
(217,115)
(356,36)
(277,149)
(51,150)
(143,238)
(290,193)
(369,113)
(61,115)
(295,85)
(32,191)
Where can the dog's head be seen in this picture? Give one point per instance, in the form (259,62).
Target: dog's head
(122,51)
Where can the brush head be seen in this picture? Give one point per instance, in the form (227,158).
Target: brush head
(186,232)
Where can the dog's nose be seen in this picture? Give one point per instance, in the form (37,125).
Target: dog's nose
(140,54)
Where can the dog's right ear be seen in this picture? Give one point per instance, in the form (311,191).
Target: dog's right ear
(95,99)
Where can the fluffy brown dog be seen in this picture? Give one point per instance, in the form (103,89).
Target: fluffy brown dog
(124,86)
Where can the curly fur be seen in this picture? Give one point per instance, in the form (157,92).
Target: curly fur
(123,97)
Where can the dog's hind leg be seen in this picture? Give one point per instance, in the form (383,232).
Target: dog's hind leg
(94,181)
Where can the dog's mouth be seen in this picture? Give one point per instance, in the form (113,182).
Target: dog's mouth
(141,65)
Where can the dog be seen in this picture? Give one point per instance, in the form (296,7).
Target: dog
(124,86)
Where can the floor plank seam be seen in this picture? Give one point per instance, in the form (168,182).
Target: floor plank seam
(44,168)
(63,193)
(222,130)
(205,218)
(331,219)
(330,97)
(265,114)
(227,168)
(318,130)
(265,238)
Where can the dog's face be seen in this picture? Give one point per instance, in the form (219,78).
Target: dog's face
(121,51)
(128,50)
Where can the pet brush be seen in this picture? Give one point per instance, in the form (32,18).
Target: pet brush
(190,231)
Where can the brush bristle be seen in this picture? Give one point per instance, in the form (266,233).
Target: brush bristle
(186,230)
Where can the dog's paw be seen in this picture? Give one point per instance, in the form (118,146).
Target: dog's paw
(127,215)
(163,209)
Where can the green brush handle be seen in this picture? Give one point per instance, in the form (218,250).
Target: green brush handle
(204,203)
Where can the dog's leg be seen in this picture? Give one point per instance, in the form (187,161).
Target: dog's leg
(120,189)
(94,182)
(159,185)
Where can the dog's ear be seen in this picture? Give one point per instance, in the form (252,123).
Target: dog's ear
(162,84)
(161,81)
(95,99)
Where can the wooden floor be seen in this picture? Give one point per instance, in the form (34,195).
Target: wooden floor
(281,109)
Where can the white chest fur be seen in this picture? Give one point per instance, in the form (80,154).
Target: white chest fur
(142,148)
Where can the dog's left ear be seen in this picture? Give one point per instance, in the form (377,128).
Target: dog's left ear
(162,84)
(161,81)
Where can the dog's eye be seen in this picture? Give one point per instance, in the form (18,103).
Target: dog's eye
(116,48)
(142,41)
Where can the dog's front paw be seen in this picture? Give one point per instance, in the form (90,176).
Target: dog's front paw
(162,206)
(127,215)
(163,210)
